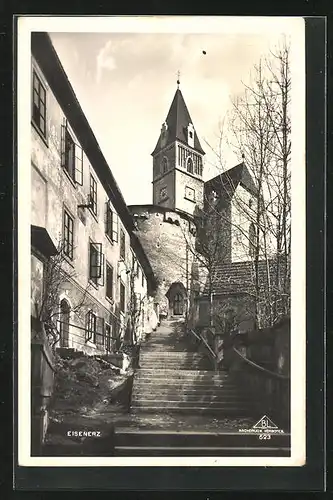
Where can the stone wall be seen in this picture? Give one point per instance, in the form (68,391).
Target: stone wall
(268,348)
(164,235)
(184,202)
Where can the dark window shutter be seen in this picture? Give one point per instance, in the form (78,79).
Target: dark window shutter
(102,279)
(96,260)
(63,142)
(115,227)
(78,165)
(89,323)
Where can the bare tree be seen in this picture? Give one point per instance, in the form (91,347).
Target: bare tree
(56,276)
(259,133)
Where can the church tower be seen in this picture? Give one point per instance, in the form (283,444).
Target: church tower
(178,161)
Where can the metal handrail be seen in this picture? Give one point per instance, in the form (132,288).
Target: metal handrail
(203,340)
(261,368)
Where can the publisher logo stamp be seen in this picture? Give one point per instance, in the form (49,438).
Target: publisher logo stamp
(264,428)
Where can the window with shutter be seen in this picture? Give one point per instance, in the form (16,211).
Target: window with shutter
(108,337)
(93,195)
(109,281)
(91,327)
(114,227)
(39,104)
(122,297)
(100,334)
(71,154)
(108,220)
(68,235)
(122,244)
(96,260)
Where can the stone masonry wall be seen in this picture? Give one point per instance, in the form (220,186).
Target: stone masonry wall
(165,245)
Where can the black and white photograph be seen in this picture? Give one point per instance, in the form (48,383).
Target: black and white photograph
(161,231)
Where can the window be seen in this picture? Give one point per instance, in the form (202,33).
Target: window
(96,262)
(122,297)
(91,327)
(93,195)
(71,154)
(252,240)
(189,193)
(68,235)
(190,134)
(142,278)
(111,223)
(189,165)
(164,165)
(108,339)
(39,104)
(122,244)
(109,281)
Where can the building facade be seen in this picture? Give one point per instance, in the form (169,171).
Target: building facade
(100,272)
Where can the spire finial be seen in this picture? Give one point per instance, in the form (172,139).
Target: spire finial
(178,77)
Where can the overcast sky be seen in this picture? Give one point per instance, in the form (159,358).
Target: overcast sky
(125,83)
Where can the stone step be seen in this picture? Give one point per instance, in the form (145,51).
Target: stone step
(178,378)
(174,366)
(180,389)
(219,405)
(172,355)
(179,397)
(217,382)
(183,389)
(231,411)
(186,373)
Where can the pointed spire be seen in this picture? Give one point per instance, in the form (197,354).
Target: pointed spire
(178,120)
(178,77)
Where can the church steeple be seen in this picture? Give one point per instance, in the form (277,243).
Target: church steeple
(178,160)
(177,123)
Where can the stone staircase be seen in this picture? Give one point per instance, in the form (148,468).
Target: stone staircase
(173,379)
(180,405)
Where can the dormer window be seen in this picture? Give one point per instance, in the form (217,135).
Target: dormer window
(164,134)
(190,135)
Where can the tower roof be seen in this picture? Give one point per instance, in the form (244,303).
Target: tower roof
(177,122)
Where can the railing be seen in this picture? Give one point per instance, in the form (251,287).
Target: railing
(201,339)
(253,365)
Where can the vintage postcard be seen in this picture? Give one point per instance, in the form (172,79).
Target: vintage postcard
(161,241)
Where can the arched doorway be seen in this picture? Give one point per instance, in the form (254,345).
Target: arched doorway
(64,323)
(176,296)
(178,305)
